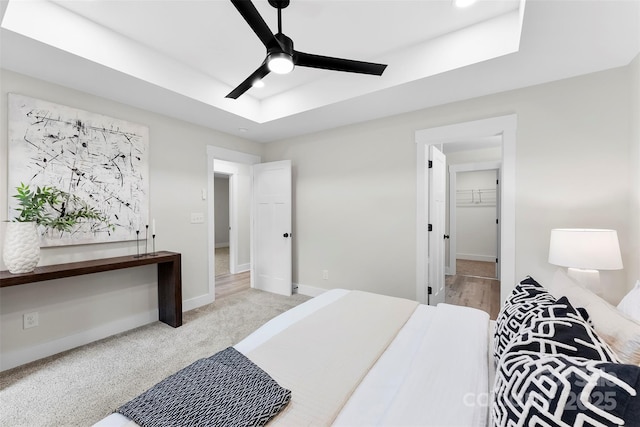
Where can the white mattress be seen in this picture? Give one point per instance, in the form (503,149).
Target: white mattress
(435,372)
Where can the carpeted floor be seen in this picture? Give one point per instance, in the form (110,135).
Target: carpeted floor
(82,386)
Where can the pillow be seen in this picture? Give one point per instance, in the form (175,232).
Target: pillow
(620,332)
(560,329)
(630,304)
(526,301)
(546,390)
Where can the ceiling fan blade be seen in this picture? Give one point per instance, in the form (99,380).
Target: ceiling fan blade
(337,64)
(258,74)
(255,21)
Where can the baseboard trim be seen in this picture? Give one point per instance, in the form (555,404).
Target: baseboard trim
(16,358)
(310,291)
(196,302)
(241,268)
(12,359)
(473,257)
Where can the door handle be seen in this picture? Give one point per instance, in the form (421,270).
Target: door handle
(446,236)
(287,235)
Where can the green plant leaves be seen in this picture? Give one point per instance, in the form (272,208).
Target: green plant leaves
(56,209)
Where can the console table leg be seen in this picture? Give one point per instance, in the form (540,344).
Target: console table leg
(170,292)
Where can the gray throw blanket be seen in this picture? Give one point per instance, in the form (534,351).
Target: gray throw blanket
(226,389)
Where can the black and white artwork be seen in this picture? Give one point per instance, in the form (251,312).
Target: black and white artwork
(102,162)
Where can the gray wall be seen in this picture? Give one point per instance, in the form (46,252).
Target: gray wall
(221,207)
(78,310)
(355,209)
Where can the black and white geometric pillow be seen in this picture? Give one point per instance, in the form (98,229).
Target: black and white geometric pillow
(226,389)
(545,390)
(560,329)
(526,301)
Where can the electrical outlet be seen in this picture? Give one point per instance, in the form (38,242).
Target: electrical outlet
(30,320)
(325,274)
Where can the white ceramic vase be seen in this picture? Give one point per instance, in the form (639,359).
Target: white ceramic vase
(21,251)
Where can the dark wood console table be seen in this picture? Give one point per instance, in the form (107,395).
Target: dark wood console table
(169,278)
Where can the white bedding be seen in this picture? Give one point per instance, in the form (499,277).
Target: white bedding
(434,373)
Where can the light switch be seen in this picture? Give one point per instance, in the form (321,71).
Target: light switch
(197,218)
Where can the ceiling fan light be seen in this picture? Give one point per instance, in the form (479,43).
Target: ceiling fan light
(280,63)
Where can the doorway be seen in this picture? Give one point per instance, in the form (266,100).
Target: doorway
(231,203)
(232,165)
(473,272)
(222,207)
(473,214)
(504,128)
(268,210)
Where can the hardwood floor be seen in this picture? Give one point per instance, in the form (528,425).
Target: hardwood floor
(484,269)
(229,284)
(469,289)
(476,292)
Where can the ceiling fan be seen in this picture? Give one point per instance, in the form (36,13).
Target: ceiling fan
(281,57)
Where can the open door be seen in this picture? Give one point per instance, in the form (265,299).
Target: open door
(271,210)
(437,211)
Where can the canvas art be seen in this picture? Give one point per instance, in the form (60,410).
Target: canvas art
(99,163)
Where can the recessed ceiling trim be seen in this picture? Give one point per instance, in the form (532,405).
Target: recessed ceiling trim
(481,42)
(56,26)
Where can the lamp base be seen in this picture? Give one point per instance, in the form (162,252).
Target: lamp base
(589,279)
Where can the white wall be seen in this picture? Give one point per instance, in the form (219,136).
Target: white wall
(221,207)
(77,310)
(355,186)
(476,228)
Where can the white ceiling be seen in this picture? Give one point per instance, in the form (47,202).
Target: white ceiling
(181,57)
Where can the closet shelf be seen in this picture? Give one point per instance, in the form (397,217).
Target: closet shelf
(476,197)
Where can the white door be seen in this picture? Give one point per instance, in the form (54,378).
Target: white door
(436,245)
(271,209)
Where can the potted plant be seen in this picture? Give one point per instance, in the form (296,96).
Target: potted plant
(50,208)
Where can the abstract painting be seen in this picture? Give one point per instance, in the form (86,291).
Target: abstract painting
(97,159)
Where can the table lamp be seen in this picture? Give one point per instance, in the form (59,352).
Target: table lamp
(585,252)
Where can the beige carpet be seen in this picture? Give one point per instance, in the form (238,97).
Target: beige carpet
(84,385)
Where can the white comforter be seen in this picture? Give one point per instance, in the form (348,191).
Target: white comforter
(434,373)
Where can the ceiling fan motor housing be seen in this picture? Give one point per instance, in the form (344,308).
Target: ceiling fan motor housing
(279,4)
(281,56)
(286,45)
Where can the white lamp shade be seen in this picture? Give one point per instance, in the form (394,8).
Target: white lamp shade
(591,249)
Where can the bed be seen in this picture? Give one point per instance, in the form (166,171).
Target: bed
(350,358)
(427,365)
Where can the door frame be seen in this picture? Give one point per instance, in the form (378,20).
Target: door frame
(505,126)
(218,153)
(453,171)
